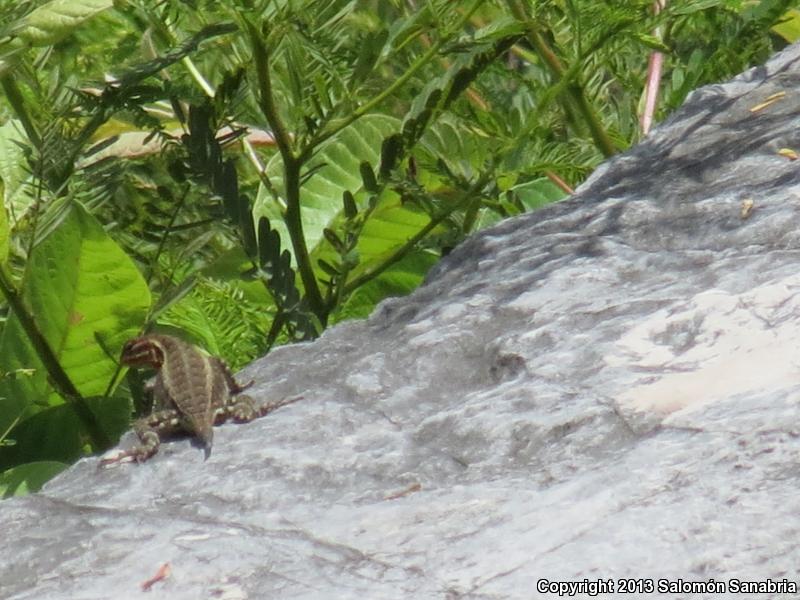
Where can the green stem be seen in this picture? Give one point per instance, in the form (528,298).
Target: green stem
(58,377)
(266,99)
(294,223)
(291,168)
(198,77)
(4,435)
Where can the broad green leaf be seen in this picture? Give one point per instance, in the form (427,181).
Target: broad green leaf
(337,169)
(78,285)
(28,478)
(55,20)
(450,140)
(391,225)
(499,27)
(531,195)
(789,26)
(537,193)
(56,433)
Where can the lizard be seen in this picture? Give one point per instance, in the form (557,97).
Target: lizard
(193,391)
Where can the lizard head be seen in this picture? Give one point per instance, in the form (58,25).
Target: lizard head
(142,351)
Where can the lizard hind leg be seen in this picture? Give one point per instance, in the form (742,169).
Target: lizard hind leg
(243,409)
(233,386)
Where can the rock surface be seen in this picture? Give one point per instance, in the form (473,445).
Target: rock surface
(607,388)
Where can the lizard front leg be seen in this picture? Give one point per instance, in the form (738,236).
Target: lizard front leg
(149,429)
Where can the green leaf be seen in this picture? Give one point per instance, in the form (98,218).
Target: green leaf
(329,268)
(78,284)
(390,152)
(391,225)
(57,19)
(403,31)
(499,28)
(371,48)
(223,317)
(523,197)
(537,193)
(368,177)
(697,6)
(28,478)
(652,42)
(333,239)
(461,148)
(349,204)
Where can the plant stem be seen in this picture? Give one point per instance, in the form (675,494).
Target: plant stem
(294,223)
(198,77)
(654,67)
(266,100)
(291,178)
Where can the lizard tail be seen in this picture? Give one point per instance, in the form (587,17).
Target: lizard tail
(207,438)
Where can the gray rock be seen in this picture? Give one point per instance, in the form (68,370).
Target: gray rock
(603,389)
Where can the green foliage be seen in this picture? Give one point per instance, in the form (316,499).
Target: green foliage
(28,478)
(15,178)
(728,38)
(84,297)
(334,169)
(218,316)
(3,235)
(250,172)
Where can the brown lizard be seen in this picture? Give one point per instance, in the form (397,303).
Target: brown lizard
(193,391)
